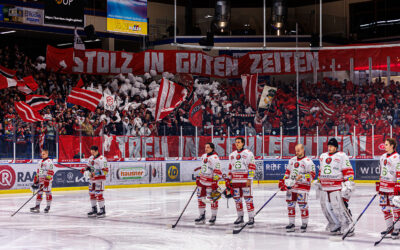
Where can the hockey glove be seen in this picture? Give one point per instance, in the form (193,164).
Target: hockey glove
(289,183)
(397,189)
(34,187)
(282,185)
(347,189)
(214,185)
(377,186)
(46,183)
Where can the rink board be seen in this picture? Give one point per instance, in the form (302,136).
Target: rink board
(128,173)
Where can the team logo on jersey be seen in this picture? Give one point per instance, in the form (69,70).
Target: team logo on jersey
(296,165)
(92,163)
(328,160)
(205,160)
(385,162)
(238,157)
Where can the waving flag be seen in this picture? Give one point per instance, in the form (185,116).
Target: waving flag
(9,73)
(267,97)
(169,97)
(304,107)
(27,85)
(38,102)
(196,114)
(27,113)
(329,111)
(250,89)
(8,79)
(85,98)
(6,82)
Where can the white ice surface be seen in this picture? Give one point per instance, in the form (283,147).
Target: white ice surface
(137,219)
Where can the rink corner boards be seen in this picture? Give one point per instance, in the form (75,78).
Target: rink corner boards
(15,191)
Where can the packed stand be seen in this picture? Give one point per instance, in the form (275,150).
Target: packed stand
(225,109)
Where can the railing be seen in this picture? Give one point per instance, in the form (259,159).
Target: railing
(187,142)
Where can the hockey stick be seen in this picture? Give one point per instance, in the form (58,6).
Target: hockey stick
(354,223)
(236,231)
(27,202)
(387,232)
(176,223)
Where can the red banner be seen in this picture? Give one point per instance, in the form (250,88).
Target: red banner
(117,148)
(199,63)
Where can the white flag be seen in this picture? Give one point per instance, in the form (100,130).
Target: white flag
(109,102)
(267,97)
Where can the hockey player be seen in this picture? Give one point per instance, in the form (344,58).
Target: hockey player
(42,181)
(96,170)
(207,183)
(297,182)
(240,178)
(336,178)
(389,186)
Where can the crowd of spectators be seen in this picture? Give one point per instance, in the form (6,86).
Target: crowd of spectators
(225,109)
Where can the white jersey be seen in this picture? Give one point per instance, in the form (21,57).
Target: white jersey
(303,167)
(390,172)
(241,166)
(334,169)
(99,167)
(210,169)
(45,170)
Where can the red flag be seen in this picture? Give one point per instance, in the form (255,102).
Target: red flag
(250,89)
(305,108)
(196,114)
(80,83)
(329,111)
(7,72)
(85,98)
(27,85)
(6,82)
(169,97)
(38,102)
(27,113)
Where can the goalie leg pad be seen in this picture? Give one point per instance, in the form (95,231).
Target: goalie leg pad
(327,211)
(396,213)
(340,210)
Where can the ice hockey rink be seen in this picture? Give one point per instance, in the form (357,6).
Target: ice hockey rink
(138,218)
